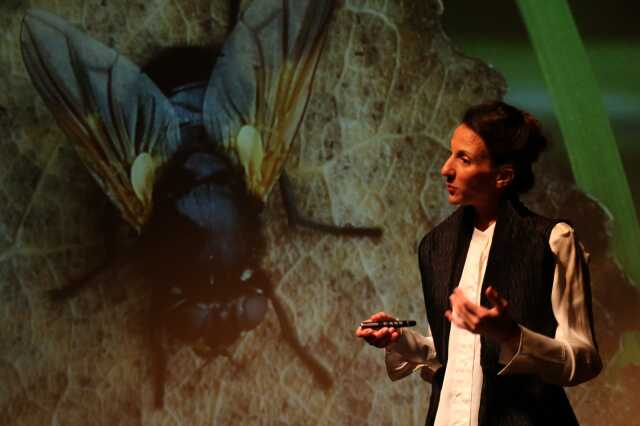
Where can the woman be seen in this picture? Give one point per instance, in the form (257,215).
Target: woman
(513,284)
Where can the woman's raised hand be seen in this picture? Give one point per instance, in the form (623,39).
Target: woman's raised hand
(494,323)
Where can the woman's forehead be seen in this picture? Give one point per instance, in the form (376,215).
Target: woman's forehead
(465,139)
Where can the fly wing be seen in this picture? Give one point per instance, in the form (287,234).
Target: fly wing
(121,125)
(260,86)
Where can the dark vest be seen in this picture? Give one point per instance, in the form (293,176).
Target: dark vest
(520,268)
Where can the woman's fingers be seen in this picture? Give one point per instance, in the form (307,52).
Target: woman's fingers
(459,320)
(363,332)
(382,337)
(465,314)
(382,316)
(378,337)
(494,323)
(471,309)
(379,316)
(457,313)
(464,307)
(495,298)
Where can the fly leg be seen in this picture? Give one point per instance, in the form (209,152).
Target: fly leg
(75,286)
(234,14)
(319,371)
(294,217)
(158,366)
(158,357)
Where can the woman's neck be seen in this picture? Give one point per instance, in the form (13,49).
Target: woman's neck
(485,215)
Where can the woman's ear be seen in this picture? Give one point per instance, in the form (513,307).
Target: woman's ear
(505,176)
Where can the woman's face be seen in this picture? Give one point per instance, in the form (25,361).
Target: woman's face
(469,176)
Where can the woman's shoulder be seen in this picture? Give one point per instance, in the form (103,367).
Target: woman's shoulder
(559,232)
(562,229)
(445,231)
(563,238)
(540,223)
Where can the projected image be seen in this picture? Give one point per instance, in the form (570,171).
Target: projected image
(191,172)
(201,200)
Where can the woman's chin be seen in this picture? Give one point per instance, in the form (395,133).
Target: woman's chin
(453,199)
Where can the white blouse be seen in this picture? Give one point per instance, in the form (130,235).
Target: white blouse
(568,359)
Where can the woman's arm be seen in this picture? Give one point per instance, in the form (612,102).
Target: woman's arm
(411,352)
(405,350)
(571,357)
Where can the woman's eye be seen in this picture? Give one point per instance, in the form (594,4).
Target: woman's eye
(463,158)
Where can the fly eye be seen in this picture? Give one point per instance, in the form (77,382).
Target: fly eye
(246,275)
(250,311)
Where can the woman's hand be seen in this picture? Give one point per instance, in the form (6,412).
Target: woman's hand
(494,323)
(381,337)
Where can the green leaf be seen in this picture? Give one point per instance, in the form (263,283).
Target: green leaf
(595,159)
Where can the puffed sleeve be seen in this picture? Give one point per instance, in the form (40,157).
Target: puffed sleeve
(411,352)
(571,357)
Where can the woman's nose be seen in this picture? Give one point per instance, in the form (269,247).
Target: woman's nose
(447,170)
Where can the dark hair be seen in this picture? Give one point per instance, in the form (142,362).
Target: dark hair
(512,136)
